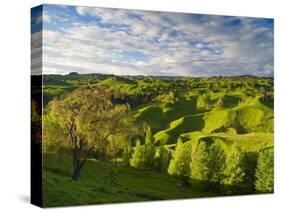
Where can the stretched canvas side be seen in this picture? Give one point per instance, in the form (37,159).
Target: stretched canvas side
(36,106)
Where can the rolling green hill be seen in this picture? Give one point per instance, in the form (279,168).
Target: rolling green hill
(107,182)
(238,116)
(164,117)
(200,107)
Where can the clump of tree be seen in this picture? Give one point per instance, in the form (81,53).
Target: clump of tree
(199,167)
(143,156)
(179,164)
(87,118)
(210,167)
(216,165)
(207,166)
(265,171)
(162,159)
(250,164)
(234,172)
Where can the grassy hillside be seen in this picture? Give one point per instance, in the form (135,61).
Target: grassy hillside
(152,117)
(107,182)
(183,119)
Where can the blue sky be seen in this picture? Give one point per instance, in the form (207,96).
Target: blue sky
(132,42)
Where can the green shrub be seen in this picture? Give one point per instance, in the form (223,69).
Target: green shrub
(250,164)
(265,171)
(234,173)
(179,165)
(216,164)
(161,159)
(149,148)
(138,157)
(143,156)
(199,167)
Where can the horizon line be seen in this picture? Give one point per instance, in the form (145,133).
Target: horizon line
(142,75)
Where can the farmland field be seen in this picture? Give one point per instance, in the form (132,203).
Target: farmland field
(164,114)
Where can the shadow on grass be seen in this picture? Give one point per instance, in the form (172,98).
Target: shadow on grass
(58,171)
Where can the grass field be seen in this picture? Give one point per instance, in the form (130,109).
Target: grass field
(107,182)
(233,119)
(186,108)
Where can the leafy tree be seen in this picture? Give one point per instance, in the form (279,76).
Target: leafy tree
(55,140)
(179,165)
(149,148)
(250,165)
(234,173)
(200,166)
(88,118)
(265,171)
(216,164)
(143,156)
(161,159)
(73,73)
(138,157)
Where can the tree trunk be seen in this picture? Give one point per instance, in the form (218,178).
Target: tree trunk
(76,164)
(76,173)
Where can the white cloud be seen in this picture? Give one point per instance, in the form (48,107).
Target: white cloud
(46,17)
(153,43)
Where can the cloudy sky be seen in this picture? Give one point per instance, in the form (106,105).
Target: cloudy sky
(130,42)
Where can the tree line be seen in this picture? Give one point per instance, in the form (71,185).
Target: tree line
(206,167)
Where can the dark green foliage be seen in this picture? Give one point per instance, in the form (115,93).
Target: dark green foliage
(179,164)
(265,171)
(149,148)
(216,165)
(143,156)
(199,166)
(250,164)
(234,173)
(162,159)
